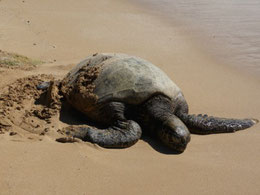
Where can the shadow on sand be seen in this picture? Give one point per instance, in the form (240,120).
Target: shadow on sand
(71,116)
(158,146)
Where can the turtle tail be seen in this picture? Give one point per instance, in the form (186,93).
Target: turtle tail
(204,124)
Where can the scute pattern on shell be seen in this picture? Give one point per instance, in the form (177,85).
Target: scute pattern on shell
(107,77)
(132,80)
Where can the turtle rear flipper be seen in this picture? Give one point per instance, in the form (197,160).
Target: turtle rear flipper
(204,124)
(124,134)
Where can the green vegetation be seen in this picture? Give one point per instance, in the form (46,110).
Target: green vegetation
(16,60)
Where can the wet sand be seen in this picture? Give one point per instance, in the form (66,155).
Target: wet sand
(62,33)
(228,31)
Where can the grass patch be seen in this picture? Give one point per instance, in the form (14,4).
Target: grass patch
(15,60)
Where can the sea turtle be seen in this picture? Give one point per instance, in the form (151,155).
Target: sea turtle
(129,96)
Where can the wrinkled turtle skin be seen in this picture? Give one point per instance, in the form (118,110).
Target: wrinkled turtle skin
(129,96)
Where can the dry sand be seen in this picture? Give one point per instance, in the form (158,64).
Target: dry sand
(63,32)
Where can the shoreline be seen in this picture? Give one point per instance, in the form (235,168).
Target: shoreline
(207,28)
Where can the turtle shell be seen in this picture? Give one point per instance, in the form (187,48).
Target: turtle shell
(108,77)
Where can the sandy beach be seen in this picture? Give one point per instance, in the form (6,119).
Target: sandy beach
(60,34)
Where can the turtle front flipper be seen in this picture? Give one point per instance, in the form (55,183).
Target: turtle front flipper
(204,124)
(123,134)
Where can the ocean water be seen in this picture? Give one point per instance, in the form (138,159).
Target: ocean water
(229,30)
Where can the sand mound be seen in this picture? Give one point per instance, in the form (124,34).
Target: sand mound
(24,108)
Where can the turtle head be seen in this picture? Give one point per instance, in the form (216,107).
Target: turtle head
(174,134)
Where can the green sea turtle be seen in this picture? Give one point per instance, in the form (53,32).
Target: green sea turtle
(129,96)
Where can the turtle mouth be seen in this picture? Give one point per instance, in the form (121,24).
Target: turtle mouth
(178,140)
(174,134)
(178,148)
(176,144)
